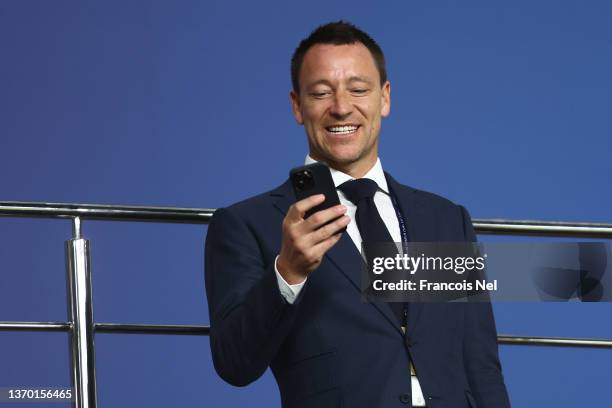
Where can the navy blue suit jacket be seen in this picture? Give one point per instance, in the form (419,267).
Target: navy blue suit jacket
(330,349)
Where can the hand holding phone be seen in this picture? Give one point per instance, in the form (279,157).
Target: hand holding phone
(305,238)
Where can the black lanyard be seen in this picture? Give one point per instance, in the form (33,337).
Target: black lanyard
(402,223)
(404,234)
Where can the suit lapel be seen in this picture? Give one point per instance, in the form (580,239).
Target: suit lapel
(344,255)
(284,197)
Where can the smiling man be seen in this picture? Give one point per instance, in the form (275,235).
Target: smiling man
(284,291)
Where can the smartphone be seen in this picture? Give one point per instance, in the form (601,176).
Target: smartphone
(314,179)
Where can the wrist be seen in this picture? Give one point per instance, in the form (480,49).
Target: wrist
(290,276)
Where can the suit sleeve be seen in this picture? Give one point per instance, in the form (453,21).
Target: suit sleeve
(249,317)
(480,346)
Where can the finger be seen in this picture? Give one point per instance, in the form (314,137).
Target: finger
(328,230)
(322,217)
(322,247)
(296,211)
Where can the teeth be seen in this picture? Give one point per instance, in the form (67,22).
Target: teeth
(342,129)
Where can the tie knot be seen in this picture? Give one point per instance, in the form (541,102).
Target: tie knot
(358,189)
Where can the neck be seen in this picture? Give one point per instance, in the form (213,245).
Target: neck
(356,169)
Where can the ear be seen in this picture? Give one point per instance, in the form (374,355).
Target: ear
(385,107)
(296,107)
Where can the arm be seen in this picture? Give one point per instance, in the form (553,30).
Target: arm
(249,316)
(480,346)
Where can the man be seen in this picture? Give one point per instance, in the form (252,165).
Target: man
(284,291)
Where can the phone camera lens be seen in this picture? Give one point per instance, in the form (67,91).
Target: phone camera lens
(303,180)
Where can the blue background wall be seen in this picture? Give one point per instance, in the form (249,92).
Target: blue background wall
(186,104)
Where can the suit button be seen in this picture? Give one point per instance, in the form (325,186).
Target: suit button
(405,398)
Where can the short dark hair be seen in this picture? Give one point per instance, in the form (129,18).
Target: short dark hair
(337,33)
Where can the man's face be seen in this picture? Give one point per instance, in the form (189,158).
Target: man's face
(341,103)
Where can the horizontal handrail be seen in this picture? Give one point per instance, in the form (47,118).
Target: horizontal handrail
(200,330)
(203,216)
(106,212)
(109,328)
(35,326)
(543,228)
(152,329)
(553,341)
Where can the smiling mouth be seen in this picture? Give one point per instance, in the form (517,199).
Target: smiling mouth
(342,130)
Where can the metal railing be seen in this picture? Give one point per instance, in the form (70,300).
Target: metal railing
(82,328)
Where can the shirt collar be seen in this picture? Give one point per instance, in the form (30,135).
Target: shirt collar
(376,173)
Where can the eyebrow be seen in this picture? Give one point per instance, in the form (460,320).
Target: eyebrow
(360,79)
(350,80)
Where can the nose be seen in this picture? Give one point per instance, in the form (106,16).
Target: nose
(341,106)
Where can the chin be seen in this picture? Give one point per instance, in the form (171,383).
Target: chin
(342,157)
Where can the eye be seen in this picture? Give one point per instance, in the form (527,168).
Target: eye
(319,95)
(359,91)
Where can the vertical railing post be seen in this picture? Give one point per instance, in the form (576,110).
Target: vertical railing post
(80,311)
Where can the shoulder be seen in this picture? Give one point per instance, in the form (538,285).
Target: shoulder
(433,216)
(433,199)
(252,224)
(421,197)
(441,205)
(255,207)
(259,201)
